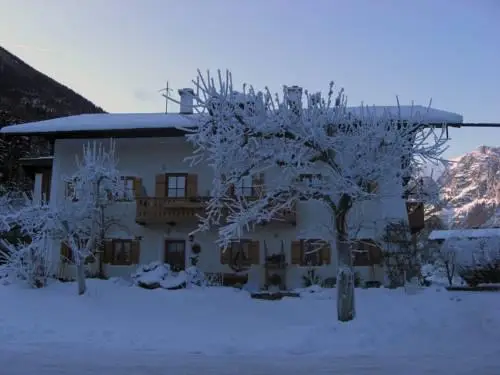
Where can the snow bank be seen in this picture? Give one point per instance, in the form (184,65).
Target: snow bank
(226,321)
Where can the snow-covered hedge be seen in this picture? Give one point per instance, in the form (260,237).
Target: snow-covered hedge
(159,275)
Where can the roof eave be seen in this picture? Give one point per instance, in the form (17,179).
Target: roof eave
(101,133)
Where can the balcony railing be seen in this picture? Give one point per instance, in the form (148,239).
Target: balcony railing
(152,210)
(161,210)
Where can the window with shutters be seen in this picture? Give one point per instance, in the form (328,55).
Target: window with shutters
(245,187)
(366,253)
(122,252)
(128,192)
(311,253)
(240,252)
(176,185)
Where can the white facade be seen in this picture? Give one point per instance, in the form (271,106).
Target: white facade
(148,157)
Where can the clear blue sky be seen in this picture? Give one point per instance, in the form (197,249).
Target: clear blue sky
(118,53)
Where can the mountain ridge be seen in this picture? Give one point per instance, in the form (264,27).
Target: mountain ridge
(28,95)
(470,186)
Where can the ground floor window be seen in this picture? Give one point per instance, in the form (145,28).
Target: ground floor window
(121,252)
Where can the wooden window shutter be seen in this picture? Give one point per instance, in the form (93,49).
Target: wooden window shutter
(225,255)
(138,190)
(375,253)
(107,253)
(160,185)
(66,252)
(258,184)
(135,252)
(296,251)
(254,252)
(192,185)
(326,254)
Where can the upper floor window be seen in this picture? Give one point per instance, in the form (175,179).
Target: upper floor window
(176,186)
(70,190)
(245,186)
(128,192)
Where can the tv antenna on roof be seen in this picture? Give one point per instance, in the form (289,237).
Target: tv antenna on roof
(166,94)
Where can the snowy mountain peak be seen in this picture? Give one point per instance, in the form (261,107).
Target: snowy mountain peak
(471,184)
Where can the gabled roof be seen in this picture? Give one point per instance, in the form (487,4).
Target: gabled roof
(101,122)
(151,124)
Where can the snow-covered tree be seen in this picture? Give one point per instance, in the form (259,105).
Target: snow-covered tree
(318,151)
(79,221)
(83,219)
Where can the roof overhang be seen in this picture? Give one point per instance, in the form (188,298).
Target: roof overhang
(137,125)
(113,133)
(40,162)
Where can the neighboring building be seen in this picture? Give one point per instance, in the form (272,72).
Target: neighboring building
(440,236)
(169,193)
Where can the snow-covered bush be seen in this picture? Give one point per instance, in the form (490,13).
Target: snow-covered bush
(26,255)
(28,262)
(195,277)
(159,275)
(478,260)
(311,278)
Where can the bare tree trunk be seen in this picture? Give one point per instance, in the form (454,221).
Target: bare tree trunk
(80,277)
(346,309)
(101,242)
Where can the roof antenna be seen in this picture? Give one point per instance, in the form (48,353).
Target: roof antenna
(166,94)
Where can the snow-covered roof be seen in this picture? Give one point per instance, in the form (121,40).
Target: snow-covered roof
(102,121)
(406,112)
(135,121)
(464,233)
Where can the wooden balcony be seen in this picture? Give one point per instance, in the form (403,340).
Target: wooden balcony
(153,210)
(162,210)
(415,216)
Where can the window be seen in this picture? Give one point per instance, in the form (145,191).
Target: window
(244,187)
(176,186)
(70,190)
(240,252)
(175,254)
(310,179)
(366,253)
(128,192)
(311,253)
(122,252)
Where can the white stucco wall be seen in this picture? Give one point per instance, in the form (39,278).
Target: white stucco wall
(147,157)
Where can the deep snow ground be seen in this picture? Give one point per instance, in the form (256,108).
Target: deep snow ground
(127,330)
